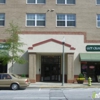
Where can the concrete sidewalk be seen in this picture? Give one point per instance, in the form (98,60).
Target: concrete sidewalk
(59,85)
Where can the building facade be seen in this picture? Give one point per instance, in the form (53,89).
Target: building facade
(43,24)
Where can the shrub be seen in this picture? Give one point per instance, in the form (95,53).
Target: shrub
(80,75)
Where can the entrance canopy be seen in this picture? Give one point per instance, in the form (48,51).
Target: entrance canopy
(90,56)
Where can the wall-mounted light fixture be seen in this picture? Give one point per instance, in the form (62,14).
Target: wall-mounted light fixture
(48,10)
(52,10)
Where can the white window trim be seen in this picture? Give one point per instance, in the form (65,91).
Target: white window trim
(35,2)
(66,3)
(65,21)
(2,20)
(35,20)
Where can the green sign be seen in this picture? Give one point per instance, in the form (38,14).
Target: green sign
(93,48)
(4,46)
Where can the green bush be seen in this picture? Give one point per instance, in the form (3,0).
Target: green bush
(23,75)
(81,75)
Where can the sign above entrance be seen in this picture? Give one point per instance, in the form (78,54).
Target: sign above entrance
(93,48)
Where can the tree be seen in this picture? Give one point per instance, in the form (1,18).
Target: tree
(13,46)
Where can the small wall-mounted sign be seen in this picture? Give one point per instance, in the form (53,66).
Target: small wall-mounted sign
(91,67)
(93,48)
(4,46)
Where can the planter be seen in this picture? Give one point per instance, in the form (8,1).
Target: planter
(80,81)
(98,78)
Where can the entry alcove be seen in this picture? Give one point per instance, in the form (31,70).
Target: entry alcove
(51,68)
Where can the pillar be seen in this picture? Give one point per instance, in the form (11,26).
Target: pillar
(70,68)
(32,68)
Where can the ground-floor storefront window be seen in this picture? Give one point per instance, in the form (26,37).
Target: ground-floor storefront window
(90,69)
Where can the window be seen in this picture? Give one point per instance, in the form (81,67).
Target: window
(2,19)
(66,20)
(2,1)
(35,19)
(5,76)
(36,1)
(98,20)
(65,1)
(98,2)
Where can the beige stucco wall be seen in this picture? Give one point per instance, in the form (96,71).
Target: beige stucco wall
(76,41)
(85,11)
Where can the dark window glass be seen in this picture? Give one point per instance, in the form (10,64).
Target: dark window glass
(1,23)
(2,19)
(30,23)
(98,17)
(60,1)
(2,1)
(70,23)
(98,20)
(30,1)
(40,1)
(98,1)
(60,23)
(5,76)
(70,1)
(98,24)
(40,23)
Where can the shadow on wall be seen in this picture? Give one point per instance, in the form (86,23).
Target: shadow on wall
(77,68)
(21,68)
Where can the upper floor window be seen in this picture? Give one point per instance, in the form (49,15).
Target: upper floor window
(36,1)
(98,2)
(98,20)
(2,19)
(35,19)
(67,20)
(2,1)
(65,1)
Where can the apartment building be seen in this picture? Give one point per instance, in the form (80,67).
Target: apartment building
(48,27)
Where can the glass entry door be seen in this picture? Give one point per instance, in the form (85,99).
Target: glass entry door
(51,68)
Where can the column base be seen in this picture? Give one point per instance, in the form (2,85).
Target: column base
(70,81)
(32,80)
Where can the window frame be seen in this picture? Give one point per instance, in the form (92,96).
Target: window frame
(97,21)
(65,20)
(65,3)
(4,2)
(35,20)
(35,2)
(2,20)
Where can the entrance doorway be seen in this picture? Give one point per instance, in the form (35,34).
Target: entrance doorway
(3,68)
(50,68)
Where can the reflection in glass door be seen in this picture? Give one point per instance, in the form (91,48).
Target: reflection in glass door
(91,73)
(51,68)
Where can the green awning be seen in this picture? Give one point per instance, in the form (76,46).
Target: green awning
(90,56)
